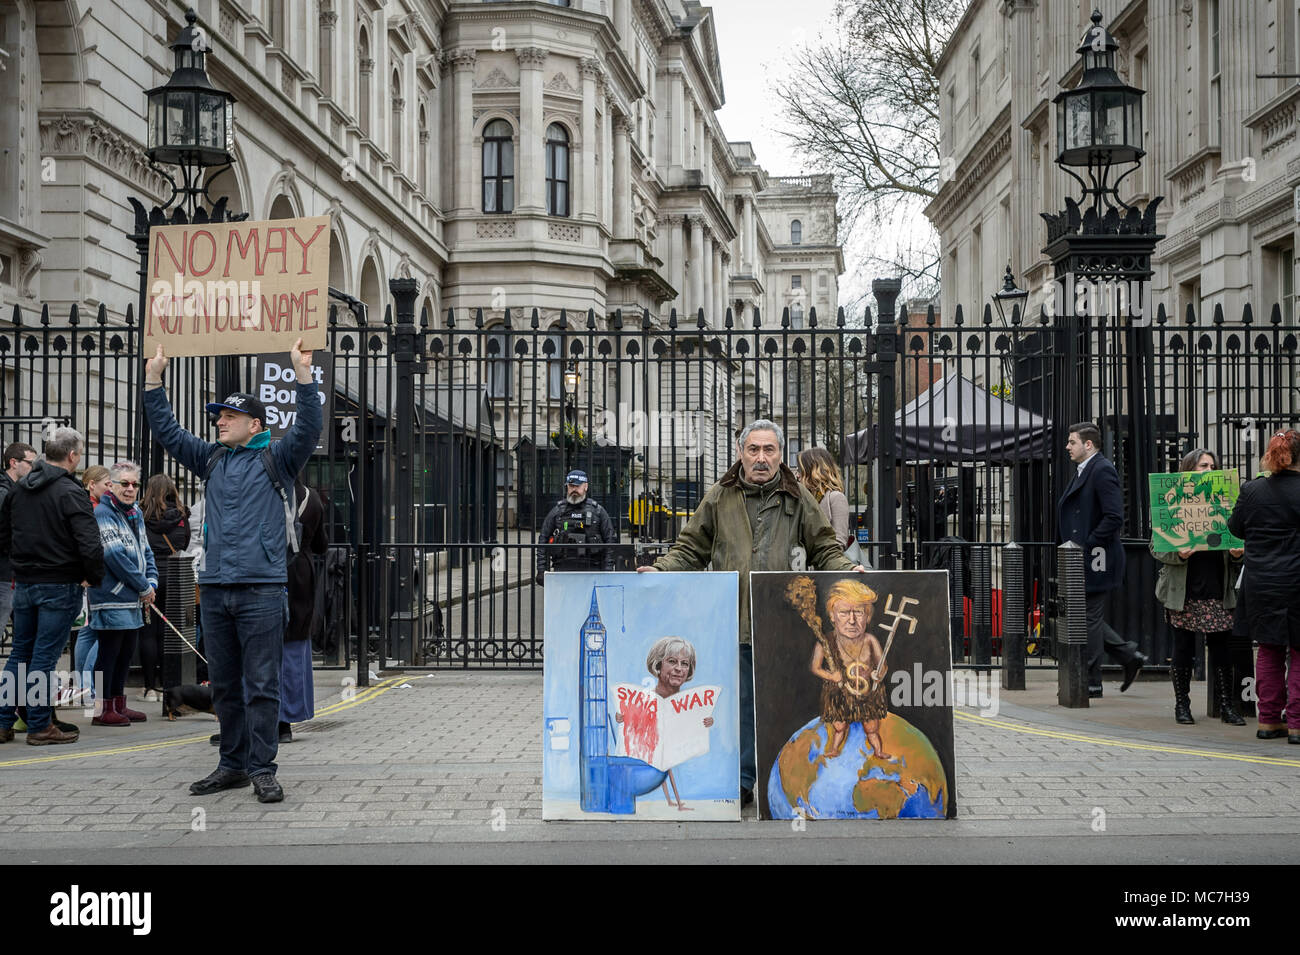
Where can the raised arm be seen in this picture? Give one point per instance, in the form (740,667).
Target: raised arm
(294,450)
(192,452)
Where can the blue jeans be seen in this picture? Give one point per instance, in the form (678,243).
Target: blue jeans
(86,653)
(243,636)
(748,763)
(43,615)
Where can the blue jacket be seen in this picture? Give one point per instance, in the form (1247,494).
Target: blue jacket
(244,538)
(1091,513)
(129,569)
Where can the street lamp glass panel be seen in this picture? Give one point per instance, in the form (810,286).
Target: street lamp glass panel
(1134,119)
(212,120)
(157,119)
(571,382)
(1078,122)
(180,119)
(1109,124)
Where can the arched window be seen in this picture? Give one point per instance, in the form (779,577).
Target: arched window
(557,170)
(498,167)
(796,232)
(422,150)
(500,383)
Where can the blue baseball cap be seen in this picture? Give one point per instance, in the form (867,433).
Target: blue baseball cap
(576,477)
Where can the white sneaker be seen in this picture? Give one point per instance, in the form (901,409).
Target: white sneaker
(155,696)
(75,696)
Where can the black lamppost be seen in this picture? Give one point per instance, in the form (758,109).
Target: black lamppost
(1009,297)
(1101,251)
(191,126)
(572,379)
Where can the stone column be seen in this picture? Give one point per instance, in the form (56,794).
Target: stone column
(719,285)
(622,178)
(696,298)
(676,260)
(708,278)
(623,24)
(747,241)
(530,171)
(325,69)
(433,156)
(676,118)
(462,158)
(586,199)
(701,141)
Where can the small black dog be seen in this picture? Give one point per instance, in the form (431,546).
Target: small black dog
(189,698)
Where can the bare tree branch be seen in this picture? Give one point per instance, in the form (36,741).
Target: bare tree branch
(863,105)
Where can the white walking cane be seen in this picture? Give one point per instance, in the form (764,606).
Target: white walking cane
(154,608)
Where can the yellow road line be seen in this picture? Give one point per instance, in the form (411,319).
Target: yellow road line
(362,697)
(1121,744)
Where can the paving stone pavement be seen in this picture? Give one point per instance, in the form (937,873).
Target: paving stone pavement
(455,757)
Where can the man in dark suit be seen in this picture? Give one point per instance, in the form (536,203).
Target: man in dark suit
(1090,513)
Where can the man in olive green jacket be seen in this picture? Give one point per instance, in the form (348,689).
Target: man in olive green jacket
(757,517)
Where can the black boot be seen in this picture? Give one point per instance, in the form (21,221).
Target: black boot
(1222,689)
(1182,677)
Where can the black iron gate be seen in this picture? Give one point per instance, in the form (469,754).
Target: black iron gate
(449,437)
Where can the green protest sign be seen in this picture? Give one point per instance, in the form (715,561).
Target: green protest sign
(1190,510)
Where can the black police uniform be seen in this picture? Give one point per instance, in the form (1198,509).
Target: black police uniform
(579,526)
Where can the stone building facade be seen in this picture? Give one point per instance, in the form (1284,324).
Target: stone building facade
(519,154)
(1221,145)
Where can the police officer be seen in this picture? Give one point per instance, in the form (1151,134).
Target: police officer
(582,526)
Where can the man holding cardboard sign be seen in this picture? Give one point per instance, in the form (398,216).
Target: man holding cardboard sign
(248,530)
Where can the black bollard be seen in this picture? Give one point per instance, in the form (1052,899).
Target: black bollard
(1071,628)
(1014,618)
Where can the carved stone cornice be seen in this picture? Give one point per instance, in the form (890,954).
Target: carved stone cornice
(624,124)
(69,134)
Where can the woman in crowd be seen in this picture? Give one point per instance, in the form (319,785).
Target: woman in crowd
(166,520)
(1197,591)
(819,474)
(1267,518)
(86,650)
(130,583)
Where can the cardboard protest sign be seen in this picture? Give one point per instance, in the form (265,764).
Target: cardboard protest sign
(641,697)
(238,288)
(1190,511)
(275,384)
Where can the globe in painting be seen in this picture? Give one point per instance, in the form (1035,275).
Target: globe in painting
(857,784)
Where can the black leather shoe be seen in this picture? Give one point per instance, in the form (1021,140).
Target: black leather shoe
(215,739)
(219,780)
(267,789)
(286,733)
(1131,670)
(1293,737)
(1094,693)
(1270,734)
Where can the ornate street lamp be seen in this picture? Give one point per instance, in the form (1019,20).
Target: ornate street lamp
(1101,247)
(191,122)
(1009,297)
(191,126)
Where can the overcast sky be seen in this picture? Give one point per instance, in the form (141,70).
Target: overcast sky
(755,40)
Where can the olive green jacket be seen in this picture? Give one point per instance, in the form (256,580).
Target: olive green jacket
(1171,583)
(718,536)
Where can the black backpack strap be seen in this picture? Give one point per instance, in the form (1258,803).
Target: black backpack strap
(273,472)
(213,458)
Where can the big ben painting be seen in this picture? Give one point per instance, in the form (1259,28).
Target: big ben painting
(641,700)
